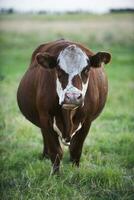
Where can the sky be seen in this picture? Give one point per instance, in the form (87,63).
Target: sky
(66,5)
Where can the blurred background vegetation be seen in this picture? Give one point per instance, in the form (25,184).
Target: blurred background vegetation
(107,163)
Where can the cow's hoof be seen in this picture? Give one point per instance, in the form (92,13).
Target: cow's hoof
(55,171)
(75,162)
(43,156)
(46,156)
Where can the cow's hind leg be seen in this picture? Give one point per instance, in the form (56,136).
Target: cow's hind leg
(77,143)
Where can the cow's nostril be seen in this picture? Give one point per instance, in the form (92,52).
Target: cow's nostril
(79,97)
(67,96)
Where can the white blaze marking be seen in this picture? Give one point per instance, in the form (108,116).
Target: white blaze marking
(60,91)
(84,88)
(72,60)
(56,128)
(60,134)
(79,127)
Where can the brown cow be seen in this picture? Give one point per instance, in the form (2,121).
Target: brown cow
(63,91)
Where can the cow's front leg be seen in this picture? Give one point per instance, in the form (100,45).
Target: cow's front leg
(52,142)
(77,143)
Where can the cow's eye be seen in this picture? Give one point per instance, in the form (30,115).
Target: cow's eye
(85,71)
(84,74)
(59,72)
(62,76)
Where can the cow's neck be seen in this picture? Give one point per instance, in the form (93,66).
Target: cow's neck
(68,122)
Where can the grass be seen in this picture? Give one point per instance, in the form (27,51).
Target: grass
(107,163)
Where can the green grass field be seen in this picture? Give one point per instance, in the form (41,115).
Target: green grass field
(107,164)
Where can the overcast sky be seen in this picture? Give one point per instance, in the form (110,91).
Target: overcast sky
(63,5)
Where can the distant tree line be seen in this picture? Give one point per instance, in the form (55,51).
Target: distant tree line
(7,11)
(11,11)
(121,10)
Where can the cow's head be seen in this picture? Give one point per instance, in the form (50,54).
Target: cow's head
(72,70)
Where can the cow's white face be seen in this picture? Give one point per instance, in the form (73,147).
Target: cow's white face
(72,76)
(72,69)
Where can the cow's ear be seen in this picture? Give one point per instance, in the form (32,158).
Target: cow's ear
(46,60)
(100,57)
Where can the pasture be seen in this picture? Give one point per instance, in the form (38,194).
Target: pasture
(107,164)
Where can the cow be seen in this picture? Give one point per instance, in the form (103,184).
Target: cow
(64,89)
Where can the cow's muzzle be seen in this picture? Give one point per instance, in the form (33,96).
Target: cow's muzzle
(72,100)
